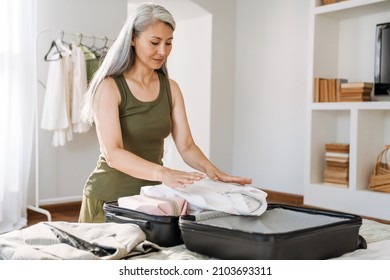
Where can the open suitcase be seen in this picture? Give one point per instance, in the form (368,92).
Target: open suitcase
(282,232)
(161,230)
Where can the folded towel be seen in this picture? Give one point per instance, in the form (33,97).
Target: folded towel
(161,206)
(212,195)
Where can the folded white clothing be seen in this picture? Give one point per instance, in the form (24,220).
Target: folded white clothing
(73,241)
(207,194)
(161,206)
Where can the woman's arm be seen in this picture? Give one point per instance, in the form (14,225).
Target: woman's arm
(189,151)
(106,116)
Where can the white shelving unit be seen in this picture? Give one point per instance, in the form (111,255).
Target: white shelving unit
(342,37)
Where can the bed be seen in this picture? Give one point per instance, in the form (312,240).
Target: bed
(112,241)
(118,241)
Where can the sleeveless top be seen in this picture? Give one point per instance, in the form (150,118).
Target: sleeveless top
(144,127)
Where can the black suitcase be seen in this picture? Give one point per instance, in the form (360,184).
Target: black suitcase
(161,230)
(282,232)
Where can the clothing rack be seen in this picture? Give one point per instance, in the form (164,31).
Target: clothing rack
(37,205)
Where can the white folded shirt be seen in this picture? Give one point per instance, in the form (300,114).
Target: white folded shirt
(207,194)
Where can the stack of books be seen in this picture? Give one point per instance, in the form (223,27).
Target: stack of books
(356,92)
(337,164)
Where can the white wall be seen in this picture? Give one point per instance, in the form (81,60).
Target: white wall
(64,170)
(257,88)
(222,80)
(190,66)
(270,89)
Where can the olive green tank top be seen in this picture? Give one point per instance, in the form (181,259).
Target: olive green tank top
(144,127)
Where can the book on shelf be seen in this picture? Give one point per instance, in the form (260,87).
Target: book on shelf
(356,90)
(337,183)
(340,178)
(332,90)
(339,164)
(336,169)
(336,179)
(357,85)
(339,82)
(327,89)
(327,2)
(336,159)
(337,147)
(356,99)
(337,154)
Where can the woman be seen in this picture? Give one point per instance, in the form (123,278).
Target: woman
(134,106)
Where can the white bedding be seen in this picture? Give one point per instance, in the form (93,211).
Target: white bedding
(128,241)
(376,234)
(74,241)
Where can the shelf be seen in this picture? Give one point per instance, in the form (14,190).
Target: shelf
(342,45)
(352,8)
(327,127)
(373,105)
(366,203)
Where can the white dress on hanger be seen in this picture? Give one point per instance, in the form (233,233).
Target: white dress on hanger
(79,87)
(56,106)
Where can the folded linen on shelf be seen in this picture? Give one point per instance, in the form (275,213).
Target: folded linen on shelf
(207,194)
(160,206)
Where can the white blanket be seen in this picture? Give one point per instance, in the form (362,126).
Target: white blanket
(211,195)
(376,234)
(43,241)
(74,241)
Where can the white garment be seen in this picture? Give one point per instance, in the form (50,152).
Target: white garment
(66,84)
(56,106)
(79,87)
(211,195)
(74,241)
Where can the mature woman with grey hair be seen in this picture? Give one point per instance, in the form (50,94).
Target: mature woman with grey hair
(135,106)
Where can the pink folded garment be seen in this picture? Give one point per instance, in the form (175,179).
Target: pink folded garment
(160,206)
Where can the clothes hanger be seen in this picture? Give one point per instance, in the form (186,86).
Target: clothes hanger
(63,41)
(56,48)
(103,50)
(93,47)
(88,53)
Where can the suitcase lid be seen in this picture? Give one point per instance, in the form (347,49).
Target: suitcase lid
(277,220)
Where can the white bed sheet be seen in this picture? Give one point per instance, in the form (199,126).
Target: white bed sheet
(38,242)
(376,234)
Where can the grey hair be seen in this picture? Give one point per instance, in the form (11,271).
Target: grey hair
(121,56)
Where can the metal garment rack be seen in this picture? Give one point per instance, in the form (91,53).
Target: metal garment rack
(36,207)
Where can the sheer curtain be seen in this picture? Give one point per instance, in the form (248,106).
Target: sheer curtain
(17,99)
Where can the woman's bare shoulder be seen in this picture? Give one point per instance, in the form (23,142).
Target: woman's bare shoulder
(108,89)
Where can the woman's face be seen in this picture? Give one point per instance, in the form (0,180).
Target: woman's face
(153,46)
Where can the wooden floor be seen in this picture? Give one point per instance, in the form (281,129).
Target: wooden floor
(69,212)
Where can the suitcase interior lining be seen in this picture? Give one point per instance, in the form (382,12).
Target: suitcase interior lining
(277,220)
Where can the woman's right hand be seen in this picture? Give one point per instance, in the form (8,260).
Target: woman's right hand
(177,179)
